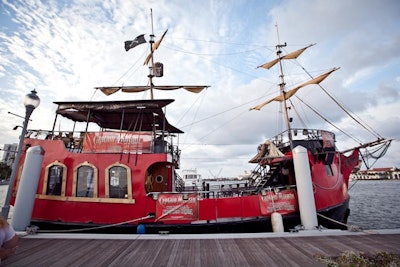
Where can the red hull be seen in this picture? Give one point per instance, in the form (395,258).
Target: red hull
(330,191)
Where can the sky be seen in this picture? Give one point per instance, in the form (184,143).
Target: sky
(64,49)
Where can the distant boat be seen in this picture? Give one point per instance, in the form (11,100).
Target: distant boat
(124,176)
(192,180)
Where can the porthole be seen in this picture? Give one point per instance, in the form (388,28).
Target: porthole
(159,178)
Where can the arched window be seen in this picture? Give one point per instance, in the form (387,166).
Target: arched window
(118,181)
(55,175)
(85,180)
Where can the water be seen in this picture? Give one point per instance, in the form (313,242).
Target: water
(373,204)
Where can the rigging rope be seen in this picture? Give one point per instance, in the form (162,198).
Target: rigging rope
(195,115)
(229,67)
(210,54)
(221,125)
(139,66)
(384,147)
(297,113)
(225,111)
(325,119)
(350,227)
(187,111)
(96,227)
(365,125)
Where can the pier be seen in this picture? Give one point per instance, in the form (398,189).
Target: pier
(258,249)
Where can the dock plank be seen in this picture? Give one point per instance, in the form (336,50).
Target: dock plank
(216,251)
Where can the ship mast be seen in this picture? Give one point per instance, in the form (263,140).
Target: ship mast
(151,67)
(155,70)
(282,84)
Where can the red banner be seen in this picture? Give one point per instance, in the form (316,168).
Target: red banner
(284,202)
(119,142)
(177,207)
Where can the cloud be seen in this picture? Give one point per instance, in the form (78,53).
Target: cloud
(65,49)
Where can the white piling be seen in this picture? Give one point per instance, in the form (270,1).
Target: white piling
(277,222)
(27,188)
(308,212)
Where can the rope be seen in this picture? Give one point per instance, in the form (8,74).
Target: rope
(96,227)
(365,126)
(172,210)
(384,147)
(195,115)
(325,119)
(297,113)
(350,227)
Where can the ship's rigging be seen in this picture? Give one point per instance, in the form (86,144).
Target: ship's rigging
(285,95)
(284,98)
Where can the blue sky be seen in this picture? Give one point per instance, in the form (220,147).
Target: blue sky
(66,48)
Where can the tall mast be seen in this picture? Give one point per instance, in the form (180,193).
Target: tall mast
(151,67)
(282,84)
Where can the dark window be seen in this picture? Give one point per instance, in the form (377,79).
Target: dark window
(118,182)
(85,182)
(54,180)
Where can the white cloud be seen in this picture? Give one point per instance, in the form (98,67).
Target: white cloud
(65,49)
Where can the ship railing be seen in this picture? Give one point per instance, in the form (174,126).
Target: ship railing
(73,141)
(200,194)
(300,134)
(176,155)
(256,191)
(179,183)
(239,192)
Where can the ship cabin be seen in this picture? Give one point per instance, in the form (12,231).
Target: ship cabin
(114,151)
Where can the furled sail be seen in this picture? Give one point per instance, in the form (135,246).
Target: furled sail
(267,151)
(136,89)
(292,55)
(291,92)
(154,48)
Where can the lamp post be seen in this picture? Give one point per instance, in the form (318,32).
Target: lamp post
(31,101)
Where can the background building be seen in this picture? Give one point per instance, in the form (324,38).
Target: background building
(377,174)
(9,151)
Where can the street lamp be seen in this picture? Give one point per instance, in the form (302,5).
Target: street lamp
(31,101)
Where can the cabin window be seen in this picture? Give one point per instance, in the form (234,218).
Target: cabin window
(118,184)
(85,180)
(54,180)
(84,185)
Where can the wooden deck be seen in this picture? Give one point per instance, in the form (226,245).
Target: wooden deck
(289,249)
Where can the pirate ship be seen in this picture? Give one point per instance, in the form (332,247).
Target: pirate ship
(123,177)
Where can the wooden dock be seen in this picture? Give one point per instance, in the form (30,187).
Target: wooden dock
(263,249)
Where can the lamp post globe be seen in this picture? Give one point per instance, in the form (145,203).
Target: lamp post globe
(31,101)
